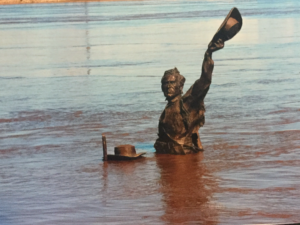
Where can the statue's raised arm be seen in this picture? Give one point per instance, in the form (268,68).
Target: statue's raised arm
(184,115)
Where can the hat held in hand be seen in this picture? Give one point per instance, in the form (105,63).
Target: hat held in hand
(229,28)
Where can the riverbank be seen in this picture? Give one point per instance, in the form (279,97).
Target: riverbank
(14,2)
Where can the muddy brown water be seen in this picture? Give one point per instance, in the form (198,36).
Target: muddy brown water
(70,72)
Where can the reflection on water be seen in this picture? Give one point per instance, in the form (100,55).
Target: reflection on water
(158,189)
(70,72)
(187,188)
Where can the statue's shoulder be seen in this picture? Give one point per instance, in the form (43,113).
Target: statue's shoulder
(188,99)
(191,103)
(188,93)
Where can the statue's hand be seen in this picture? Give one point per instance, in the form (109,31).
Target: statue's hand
(214,46)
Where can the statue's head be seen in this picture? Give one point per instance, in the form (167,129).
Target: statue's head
(172,83)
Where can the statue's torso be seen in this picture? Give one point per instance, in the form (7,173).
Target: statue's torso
(172,121)
(178,128)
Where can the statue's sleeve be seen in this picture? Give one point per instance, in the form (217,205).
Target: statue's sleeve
(201,86)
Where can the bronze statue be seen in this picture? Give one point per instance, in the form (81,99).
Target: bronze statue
(184,115)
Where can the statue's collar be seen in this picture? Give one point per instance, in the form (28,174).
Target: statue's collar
(177,98)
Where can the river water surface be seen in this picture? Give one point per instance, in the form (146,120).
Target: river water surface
(70,72)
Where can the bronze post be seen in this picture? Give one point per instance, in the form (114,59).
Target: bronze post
(104,147)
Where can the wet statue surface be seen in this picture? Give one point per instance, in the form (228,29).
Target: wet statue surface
(179,124)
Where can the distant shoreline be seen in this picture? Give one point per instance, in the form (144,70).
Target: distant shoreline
(15,2)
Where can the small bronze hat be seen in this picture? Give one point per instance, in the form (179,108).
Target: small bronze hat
(230,26)
(125,152)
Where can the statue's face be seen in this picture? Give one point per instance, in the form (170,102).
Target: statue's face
(170,86)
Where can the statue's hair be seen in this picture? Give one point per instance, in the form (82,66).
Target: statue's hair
(175,72)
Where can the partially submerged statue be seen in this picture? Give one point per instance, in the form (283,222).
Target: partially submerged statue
(184,115)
